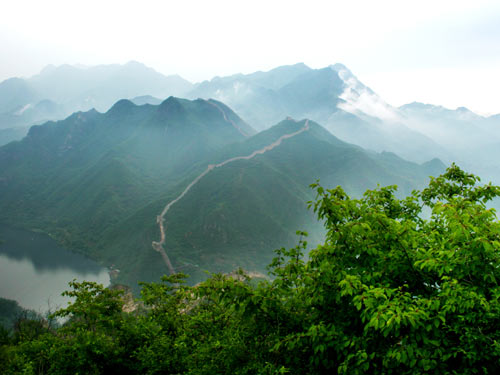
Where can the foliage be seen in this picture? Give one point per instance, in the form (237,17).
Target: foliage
(389,292)
(9,312)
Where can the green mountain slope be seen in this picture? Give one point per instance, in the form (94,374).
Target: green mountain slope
(75,178)
(98,181)
(237,214)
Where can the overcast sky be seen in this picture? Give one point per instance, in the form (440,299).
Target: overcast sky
(441,52)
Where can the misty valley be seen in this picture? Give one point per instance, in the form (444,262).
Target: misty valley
(96,181)
(243,216)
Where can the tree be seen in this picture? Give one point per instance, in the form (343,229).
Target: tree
(391,292)
(96,338)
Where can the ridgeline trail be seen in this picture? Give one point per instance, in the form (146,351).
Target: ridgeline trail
(160,219)
(226,118)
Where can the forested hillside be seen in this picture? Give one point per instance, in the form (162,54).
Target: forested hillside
(387,293)
(97,183)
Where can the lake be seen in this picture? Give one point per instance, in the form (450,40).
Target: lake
(34,270)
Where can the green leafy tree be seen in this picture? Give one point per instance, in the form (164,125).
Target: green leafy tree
(164,350)
(392,293)
(97,338)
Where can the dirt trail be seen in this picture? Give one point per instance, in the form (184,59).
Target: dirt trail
(160,219)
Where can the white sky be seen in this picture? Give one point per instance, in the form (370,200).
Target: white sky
(434,51)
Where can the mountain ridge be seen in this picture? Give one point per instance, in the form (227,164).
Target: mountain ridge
(98,181)
(73,89)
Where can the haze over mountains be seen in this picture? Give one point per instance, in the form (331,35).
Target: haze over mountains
(56,92)
(335,98)
(98,179)
(331,96)
(97,182)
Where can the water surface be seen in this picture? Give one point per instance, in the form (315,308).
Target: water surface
(34,270)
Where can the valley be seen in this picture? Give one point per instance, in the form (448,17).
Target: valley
(158,246)
(98,181)
(241,188)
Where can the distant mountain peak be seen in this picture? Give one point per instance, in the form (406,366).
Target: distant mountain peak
(420,105)
(434,166)
(339,67)
(134,63)
(146,99)
(48,69)
(171,99)
(121,105)
(360,100)
(136,66)
(14,81)
(171,105)
(297,66)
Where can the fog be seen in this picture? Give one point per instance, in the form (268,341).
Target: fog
(401,48)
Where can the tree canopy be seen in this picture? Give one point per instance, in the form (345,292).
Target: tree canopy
(400,286)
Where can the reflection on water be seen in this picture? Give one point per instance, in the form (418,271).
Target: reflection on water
(34,270)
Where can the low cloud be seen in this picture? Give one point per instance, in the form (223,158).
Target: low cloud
(360,100)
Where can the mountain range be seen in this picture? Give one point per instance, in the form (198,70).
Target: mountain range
(100,180)
(57,92)
(332,96)
(97,182)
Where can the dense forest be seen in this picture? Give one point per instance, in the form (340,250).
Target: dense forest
(388,292)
